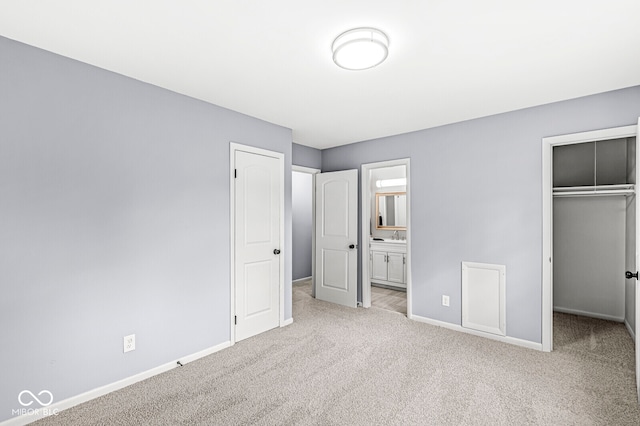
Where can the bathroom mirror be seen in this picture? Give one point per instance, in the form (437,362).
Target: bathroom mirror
(391,210)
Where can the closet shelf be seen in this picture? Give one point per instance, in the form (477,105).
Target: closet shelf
(597,190)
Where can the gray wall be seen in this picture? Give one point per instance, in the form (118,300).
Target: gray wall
(301,207)
(114,219)
(306,156)
(476,195)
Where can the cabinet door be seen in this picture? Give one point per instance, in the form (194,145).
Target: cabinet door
(395,267)
(379,268)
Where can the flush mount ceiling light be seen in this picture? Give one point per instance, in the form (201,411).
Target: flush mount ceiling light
(360,48)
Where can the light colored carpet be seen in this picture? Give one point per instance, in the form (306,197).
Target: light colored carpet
(345,366)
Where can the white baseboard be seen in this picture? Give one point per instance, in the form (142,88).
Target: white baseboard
(301,279)
(587,314)
(53,409)
(630,330)
(505,339)
(287,322)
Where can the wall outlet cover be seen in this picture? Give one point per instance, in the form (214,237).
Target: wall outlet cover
(445,300)
(129,343)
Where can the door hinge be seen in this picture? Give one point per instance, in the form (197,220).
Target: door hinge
(235,319)
(235,173)
(404,260)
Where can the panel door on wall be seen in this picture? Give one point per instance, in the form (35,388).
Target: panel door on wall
(257,244)
(337,237)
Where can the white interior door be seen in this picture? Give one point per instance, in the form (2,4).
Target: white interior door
(337,237)
(257,243)
(637,259)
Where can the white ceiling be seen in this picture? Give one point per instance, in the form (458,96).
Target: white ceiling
(449,60)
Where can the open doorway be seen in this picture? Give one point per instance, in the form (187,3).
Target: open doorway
(590,237)
(386,242)
(303,225)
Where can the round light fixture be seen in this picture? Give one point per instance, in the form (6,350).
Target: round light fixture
(360,48)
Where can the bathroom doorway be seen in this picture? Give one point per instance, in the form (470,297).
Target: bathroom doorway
(386,241)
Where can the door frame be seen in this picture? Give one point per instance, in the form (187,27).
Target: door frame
(365,220)
(233,148)
(547,213)
(313,172)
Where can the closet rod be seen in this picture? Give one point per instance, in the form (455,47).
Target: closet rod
(624,192)
(598,190)
(593,188)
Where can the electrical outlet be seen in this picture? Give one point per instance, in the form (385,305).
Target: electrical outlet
(445,300)
(129,343)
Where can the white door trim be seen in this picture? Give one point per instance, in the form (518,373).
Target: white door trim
(365,198)
(233,147)
(547,214)
(313,172)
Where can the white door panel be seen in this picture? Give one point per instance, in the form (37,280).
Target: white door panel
(337,237)
(335,209)
(335,270)
(637,259)
(257,235)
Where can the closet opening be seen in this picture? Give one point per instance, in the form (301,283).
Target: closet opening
(590,243)
(594,208)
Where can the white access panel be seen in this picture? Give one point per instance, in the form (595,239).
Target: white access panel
(483,297)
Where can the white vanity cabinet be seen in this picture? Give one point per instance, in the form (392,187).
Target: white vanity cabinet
(388,263)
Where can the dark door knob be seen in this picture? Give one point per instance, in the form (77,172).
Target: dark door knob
(629,274)
(276,251)
(352,246)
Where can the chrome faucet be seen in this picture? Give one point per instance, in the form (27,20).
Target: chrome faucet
(395,235)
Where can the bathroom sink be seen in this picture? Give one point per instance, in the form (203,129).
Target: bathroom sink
(389,240)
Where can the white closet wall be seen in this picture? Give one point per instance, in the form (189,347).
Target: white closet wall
(590,238)
(589,256)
